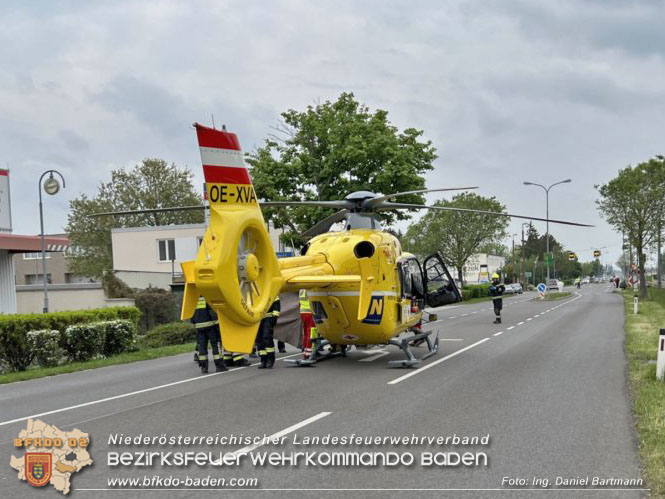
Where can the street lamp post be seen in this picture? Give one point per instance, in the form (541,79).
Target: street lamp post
(547,216)
(51,187)
(523,263)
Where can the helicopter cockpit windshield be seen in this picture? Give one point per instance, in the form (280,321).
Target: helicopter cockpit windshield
(440,286)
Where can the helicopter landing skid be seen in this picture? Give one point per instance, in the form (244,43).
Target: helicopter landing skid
(316,355)
(411,360)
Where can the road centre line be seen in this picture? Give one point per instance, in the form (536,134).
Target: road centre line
(511,327)
(498,334)
(280,434)
(520,323)
(437,362)
(529,319)
(137,392)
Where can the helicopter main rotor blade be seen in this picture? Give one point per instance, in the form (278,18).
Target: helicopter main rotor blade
(150,210)
(324,225)
(372,203)
(340,204)
(399,206)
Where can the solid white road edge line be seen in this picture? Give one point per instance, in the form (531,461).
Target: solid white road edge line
(137,392)
(279,434)
(436,362)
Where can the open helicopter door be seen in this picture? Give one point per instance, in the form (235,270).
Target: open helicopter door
(440,287)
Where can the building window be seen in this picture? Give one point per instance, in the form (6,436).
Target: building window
(35,256)
(166,249)
(37,278)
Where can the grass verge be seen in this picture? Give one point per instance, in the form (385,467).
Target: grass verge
(124,358)
(557,296)
(647,393)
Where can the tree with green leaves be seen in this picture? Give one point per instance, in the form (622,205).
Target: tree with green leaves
(151,184)
(332,149)
(634,202)
(457,235)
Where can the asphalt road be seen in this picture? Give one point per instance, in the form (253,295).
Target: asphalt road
(548,386)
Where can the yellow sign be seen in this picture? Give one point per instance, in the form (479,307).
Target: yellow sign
(231,193)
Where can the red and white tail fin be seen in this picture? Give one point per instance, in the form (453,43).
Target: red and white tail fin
(236,268)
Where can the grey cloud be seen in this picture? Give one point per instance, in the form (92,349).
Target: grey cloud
(73,140)
(151,104)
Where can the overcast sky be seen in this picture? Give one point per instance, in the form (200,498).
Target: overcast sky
(507,91)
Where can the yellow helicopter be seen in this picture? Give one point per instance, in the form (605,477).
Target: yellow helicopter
(362,287)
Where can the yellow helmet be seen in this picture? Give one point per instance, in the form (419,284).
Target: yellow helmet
(496,276)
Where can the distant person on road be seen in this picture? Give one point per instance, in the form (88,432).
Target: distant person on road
(497,289)
(207,330)
(578,282)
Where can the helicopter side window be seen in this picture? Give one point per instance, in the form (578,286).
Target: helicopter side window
(405,279)
(417,285)
(318,312)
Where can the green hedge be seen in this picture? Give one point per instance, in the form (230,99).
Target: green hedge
(477,290)
(174,333)
(15,351)
(99,339)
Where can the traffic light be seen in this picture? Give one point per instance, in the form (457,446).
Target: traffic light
(596,253)
(571,256)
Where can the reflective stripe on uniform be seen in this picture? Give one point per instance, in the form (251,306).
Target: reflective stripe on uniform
(238,357)
(200,325)
(262,352)
(304,302)
(270,349)
(313,333)
(216,356)
(203,357)
(201,303)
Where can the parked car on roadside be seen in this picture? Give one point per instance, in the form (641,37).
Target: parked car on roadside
(517,288)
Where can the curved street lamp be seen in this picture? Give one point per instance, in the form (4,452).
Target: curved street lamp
(547,211)
(51,187)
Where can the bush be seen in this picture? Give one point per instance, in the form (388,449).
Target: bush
(45,345)
(157,306)
(466,294)
(478,290)
(15,352)
(175,333)
(84,342)
(119,336)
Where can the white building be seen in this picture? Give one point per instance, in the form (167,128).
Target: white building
(480,267)
(151,256)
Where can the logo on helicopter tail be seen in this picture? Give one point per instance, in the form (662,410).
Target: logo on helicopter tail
(375,311)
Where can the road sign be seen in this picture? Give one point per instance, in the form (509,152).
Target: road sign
(571,256)
(528,274)
(541,289)
(596,253)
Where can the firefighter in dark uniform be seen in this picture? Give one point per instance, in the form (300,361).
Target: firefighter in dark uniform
(207,330)
(497,289)
(265,340)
